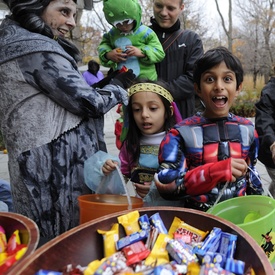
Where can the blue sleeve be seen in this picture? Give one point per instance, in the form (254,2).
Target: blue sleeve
(171,158)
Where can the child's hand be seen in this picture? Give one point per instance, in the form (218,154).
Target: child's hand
(238,168)
(142,189)
(134,51)
(116,56)
(109,166)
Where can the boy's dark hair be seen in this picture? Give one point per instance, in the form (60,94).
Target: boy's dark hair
(133,136)
(213,58)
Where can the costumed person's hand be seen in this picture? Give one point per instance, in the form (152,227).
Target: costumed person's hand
(142,189)
(109,166)
(106,80)
(134,51)
(238,168)
(165,188)
(116,55)
(124,79)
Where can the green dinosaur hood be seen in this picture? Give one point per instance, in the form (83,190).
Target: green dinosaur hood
(119,10)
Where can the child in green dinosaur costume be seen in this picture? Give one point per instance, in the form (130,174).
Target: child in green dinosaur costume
(129,43)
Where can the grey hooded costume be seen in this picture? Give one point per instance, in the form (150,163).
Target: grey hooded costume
(52,121)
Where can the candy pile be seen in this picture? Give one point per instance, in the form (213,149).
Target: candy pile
(11,250)
(149,248)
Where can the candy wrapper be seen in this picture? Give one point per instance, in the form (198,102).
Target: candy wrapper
(13,251)
(111,265)
(159,254)
(144,222)
(211,242)
(181,230)
(110,239)
(228,244)
(157,222)
(130,222)
(181,252)
(135,253)
(3,240)
(131,239)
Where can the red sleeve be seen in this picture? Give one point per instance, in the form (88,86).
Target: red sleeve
(118,127)
(202,179)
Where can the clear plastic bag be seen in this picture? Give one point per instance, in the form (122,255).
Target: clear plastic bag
(97,181)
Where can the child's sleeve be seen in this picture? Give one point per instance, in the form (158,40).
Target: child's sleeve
(152,49)
(104,47)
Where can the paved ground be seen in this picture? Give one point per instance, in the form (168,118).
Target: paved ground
(110,119)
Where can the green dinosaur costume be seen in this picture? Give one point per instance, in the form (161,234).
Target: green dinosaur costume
(141,36)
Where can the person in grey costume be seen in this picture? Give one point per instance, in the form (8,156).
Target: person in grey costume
(51,119)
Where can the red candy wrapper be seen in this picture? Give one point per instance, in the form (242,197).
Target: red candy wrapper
(135,252)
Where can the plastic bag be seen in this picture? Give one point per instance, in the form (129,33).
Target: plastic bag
(97,181)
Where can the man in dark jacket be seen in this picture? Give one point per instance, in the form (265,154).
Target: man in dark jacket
(182,49)
(265,126)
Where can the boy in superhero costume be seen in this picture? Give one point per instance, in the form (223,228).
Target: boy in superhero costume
(211,156)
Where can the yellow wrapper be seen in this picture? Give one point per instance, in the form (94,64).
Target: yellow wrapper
(93,266)
(3,257)
(20,253)
(181,227)
(159,254)
(130,222)
(193,269)
(174,226)
(109,239)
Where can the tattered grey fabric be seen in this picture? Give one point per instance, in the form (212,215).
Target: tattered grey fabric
(53,176)
(52,121)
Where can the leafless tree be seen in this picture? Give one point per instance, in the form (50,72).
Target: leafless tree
(260,15)
(227,29)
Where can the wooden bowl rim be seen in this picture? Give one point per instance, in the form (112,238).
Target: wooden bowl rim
(259,251)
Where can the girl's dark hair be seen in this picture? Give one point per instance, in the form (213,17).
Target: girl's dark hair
(133,136)
(213,58)
(28,14)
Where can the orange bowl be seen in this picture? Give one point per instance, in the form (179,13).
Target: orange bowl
(94,206)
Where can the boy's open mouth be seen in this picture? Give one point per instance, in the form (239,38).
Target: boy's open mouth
(219,100)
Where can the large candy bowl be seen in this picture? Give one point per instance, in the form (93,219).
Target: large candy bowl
(83,244)
(28,233)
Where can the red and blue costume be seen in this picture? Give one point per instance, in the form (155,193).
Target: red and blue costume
(195,157)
